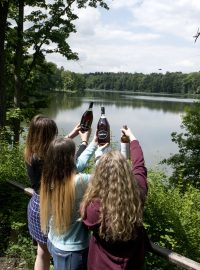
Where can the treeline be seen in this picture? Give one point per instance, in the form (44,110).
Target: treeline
(169,83)
(48,77)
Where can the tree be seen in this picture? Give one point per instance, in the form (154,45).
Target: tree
(50,25)
(186,163)
(3,15)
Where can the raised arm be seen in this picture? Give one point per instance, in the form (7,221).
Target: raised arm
(82,160)
(138,164)
(84,142)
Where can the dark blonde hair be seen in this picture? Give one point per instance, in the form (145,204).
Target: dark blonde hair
(114,186)
(57,191)
(42,131)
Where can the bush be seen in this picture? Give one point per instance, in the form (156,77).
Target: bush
(172,219)
(13,202)
(12,166)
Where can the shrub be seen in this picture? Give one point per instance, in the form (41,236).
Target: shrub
(12,166)
(172,218)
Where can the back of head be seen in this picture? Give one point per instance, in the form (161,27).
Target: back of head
(114,185)
(42,131)
(113,172)
(59,162)
(57,192)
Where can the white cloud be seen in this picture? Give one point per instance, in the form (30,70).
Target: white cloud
(136,36)
(87,21)
(179,18)
(125,4)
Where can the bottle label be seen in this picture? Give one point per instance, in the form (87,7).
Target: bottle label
(125,150)
(102,134)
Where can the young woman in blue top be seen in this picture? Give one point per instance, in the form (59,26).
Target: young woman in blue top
(61,192)
(42,131)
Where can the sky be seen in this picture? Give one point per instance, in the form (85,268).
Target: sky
(136,36)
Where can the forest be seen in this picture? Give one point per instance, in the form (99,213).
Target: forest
(172,83)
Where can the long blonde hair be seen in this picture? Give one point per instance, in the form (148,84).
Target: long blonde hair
(57,192)
(42,131)
(114,186)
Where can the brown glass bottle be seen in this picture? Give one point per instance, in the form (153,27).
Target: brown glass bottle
(103,129)
(125,145)
(87,118)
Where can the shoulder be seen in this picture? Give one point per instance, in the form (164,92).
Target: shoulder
(81,181)
(82,178)
(92,213)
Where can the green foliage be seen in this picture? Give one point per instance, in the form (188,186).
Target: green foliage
(22,247)
(186,163)
(172,219)
(171,83)
(72,81)
(12,166)
(14,238)
(50,25)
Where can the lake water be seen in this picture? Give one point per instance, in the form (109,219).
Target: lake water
(152,119)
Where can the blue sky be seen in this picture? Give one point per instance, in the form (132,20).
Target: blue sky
(136,36)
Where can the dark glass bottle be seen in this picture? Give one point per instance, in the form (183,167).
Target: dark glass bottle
(87,118)
(103,129)
(125,145)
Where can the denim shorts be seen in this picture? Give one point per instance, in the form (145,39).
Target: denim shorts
(68,260)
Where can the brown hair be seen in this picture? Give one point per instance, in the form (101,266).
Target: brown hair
(120,206)
(42,131)
(57,192)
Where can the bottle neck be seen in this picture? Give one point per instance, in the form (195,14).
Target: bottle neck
(90,106)
(102,112)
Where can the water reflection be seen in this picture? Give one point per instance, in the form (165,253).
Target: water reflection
(166,104)
(155,98)
(152,121)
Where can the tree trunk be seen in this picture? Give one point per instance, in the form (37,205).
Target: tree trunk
(3,20)
(18,65)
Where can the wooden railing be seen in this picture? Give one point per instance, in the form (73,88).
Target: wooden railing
(169,255)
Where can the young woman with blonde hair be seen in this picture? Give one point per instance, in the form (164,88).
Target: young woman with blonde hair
(61,192)
(112,209)
(41,132)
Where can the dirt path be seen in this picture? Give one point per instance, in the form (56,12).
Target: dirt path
(10,264)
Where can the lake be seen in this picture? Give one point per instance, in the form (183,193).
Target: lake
(152,119)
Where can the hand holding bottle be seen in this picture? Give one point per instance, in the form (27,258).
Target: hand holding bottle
(74,132)
(100,147)
(128,132)
(103,129)
(86,119)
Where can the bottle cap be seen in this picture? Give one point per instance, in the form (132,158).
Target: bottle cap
(102,110)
